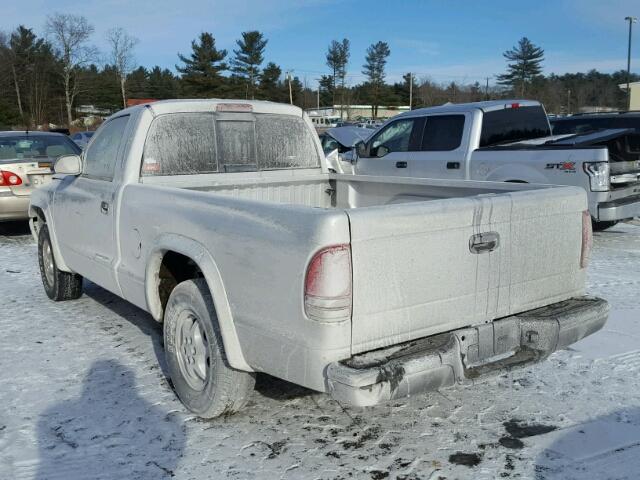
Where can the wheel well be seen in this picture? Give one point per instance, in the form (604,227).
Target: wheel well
(37,215)
(175,268)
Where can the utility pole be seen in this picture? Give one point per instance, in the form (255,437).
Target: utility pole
(631,21)
(318,102)
(569,102)
(290,92)
(486,89)
(410,91)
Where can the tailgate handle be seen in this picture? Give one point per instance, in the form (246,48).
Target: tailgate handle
(484,242)
(453,165)
(104,208)
(401,164)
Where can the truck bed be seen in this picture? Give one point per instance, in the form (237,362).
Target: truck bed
(413,272)
(313,189)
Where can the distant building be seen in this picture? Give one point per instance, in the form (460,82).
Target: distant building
(139,101)
(354,112)
(635,94)
(596,109)
(86,110)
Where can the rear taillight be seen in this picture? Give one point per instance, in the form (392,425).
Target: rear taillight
(587,239)
(9,179)
(598,175)
(327,285)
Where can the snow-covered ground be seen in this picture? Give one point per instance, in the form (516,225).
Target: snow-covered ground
(83,395)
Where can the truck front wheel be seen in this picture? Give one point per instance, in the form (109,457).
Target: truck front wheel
(57,284)
(198,367)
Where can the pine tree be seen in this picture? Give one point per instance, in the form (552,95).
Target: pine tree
(270,85)
(325,84)
(337,59)
(162,83)
(248,58)
(201,73)
(526,63)
(374,66)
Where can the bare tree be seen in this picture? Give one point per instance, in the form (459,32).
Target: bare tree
(122,45)
(70,36)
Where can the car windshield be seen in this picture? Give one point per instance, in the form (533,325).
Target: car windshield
(26,146)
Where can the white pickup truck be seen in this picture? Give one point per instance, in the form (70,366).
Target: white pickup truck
(221,219)
(506,141)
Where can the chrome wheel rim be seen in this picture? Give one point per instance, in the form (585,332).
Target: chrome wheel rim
(192,350)
(47,260)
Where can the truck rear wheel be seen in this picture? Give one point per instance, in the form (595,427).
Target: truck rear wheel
(198,367)
(600,226)
(57,284)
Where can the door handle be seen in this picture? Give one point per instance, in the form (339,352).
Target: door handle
(484,242)
(401,164)
(104,208)
(453,165)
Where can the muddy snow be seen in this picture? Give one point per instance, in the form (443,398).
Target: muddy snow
(83,395)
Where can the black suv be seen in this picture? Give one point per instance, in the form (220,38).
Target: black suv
(589,122)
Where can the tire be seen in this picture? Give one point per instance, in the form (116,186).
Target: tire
(600,226)
(57,284)
(197,364)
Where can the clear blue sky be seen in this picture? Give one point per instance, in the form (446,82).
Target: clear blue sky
(445,40)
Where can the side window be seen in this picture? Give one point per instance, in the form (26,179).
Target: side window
(442,133)
(100,158)
(395,137)
(180,144)
(76,136)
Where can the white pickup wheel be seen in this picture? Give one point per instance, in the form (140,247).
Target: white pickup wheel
(199,371)
(57,284)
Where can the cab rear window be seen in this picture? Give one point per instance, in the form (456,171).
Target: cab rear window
(192,143)
(509,125)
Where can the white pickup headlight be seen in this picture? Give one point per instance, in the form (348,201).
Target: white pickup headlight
(598,175)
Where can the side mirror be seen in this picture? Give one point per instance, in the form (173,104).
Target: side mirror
(361,149)
(68,165)
(381,151)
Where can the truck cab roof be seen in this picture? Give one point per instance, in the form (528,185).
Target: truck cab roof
(487,106)
(215,104)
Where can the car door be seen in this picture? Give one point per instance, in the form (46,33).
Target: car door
(390,151)
(442,151)
(85,208)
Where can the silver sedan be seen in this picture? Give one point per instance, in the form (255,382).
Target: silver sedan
(26,159)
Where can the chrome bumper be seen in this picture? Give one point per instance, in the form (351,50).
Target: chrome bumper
(445,359)
(620,209)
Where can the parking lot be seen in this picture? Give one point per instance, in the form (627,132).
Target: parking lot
(84,396)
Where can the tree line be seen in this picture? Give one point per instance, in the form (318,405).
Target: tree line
(43,79)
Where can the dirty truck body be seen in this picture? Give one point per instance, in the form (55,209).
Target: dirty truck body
(364,287)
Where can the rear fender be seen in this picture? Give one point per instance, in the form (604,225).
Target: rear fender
(521,173)
(196,252)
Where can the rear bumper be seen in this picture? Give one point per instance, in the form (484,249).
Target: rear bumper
(442,360)
(621,209)
(13,207)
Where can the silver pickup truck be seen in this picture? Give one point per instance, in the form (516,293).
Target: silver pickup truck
(506,141)
(221,219)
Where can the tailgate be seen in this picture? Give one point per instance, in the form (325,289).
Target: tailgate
(414,272)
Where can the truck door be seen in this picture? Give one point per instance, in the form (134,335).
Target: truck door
(85,208)
(442,149)
(390,151)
